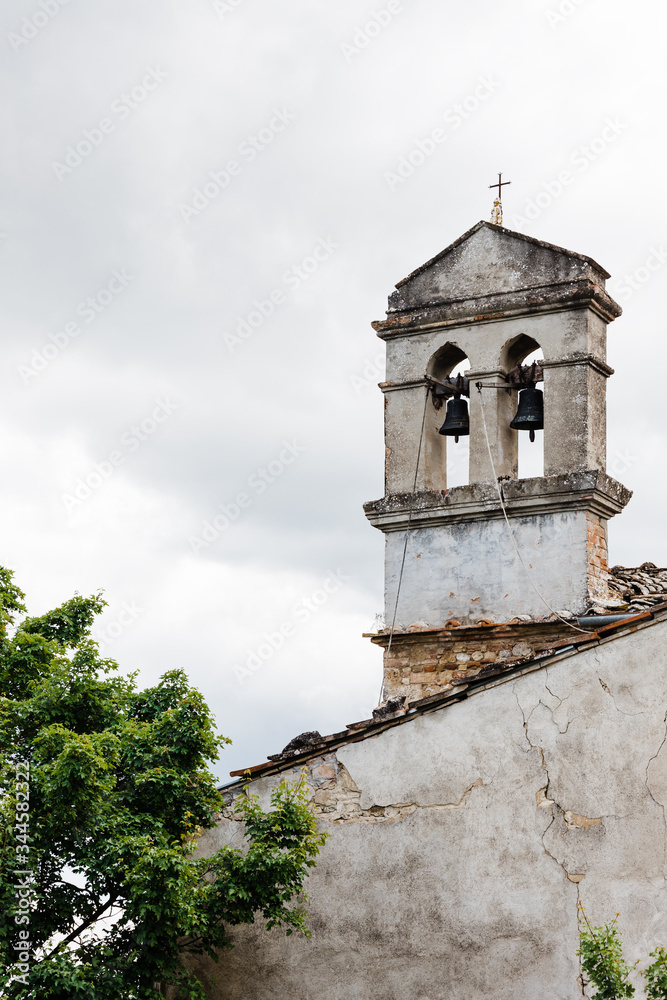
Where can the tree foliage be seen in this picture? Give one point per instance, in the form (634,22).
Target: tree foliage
(118,790)
(656,975)
(602,961)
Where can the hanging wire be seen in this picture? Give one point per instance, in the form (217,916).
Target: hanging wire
(511,530)
(405,546)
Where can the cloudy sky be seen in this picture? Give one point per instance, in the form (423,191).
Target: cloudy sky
(204,205)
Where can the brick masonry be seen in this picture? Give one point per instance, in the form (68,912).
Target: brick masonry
(425,663)
(598,569)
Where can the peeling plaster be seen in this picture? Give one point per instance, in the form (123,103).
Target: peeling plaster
(337,797)
(573,821)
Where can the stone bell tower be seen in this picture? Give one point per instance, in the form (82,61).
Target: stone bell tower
(493,298)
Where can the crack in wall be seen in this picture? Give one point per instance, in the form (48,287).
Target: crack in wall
(525,720)
(607,690)
(561,702)
(338,799)
(572,820)
(648,789)
(575,877)
(561,732)
(546,684)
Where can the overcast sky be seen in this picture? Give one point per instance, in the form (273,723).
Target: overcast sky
(205,205)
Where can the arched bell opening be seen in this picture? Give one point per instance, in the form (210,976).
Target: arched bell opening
(445,360)
(521,353)
(448,451)
(517,350)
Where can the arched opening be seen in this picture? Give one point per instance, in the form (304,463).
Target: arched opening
(517,350)
(448,362)
(445,360)
(523,350)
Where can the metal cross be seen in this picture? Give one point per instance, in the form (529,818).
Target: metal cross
(499,185)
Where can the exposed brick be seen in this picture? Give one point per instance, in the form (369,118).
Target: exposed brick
(419,665)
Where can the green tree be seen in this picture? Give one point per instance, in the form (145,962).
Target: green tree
(103,791)
(602,959)
(601,952)
(656,975)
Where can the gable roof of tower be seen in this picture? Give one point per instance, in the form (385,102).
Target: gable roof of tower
(508,232)
(488,677)
(493,272)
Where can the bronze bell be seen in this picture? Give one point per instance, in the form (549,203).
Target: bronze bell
(530,411)
(457,421)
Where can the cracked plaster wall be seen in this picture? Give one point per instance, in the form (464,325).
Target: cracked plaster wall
(486,579)
(460,841)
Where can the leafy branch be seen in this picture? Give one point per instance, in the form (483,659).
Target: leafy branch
(601,952)
(120,791)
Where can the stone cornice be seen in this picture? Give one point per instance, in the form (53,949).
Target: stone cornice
(584,359)
(589,490)
(569,362)
(580,294)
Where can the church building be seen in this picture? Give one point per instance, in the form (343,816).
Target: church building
(518,761)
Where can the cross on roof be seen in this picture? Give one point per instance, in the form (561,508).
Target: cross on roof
(501,184)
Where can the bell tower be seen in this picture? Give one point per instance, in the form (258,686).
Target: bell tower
(500,550)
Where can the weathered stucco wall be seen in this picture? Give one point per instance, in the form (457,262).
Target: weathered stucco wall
(471,571)
(460,840)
